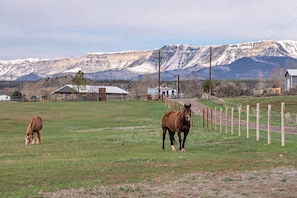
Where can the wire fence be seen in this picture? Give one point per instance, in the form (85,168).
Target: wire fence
(245,121)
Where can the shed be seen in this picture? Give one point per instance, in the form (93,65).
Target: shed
(4,97)
(89,92)
(291,78)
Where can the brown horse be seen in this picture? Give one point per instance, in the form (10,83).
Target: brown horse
(177,122)
(35,125)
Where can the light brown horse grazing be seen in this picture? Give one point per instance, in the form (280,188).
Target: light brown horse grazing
(177,122)
(35,125)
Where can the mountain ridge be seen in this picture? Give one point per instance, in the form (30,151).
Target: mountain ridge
(174,58)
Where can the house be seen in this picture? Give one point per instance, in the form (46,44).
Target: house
(164,91)
(291,78)
(4,97)
(89,92)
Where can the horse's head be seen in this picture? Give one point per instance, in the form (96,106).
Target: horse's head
(187,112)
(28,135)
(28,138)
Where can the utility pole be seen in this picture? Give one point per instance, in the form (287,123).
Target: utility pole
(177,85)
(159,84)
(209,83)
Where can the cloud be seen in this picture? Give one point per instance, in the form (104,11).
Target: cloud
(49,29)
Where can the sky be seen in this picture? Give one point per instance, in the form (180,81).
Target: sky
(73,28)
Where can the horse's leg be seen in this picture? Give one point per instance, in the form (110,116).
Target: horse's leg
(33,138)
(184,141)
(179,139)
(39,137)
(172,140)
(164,135)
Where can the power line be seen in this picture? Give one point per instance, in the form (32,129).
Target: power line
(277,21)
(292,21)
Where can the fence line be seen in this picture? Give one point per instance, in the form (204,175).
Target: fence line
(227,119)
(255,115)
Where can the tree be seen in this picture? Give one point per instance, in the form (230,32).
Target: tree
(79,81)
(261,83)
(227,89)
(16,95)
(277,76)
(205,85)
(192,88)
(139,87)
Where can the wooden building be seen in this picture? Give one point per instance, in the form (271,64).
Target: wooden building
(291,78)
(88,92)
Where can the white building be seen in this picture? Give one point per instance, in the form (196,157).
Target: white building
(165,91)
(4,97)
(291,78)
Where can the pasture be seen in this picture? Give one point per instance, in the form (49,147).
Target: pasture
(114,149)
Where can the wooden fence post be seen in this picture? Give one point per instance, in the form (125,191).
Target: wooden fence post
(220,120)
(247,121)
(257,122)
(283,123)
(211,119)
(268,125)
(215,119)
(232,120)
(239,121)
(203,118)
(206,117)
(226,120)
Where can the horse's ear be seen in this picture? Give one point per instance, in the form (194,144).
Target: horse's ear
(187,105)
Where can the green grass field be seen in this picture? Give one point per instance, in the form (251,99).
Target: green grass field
(87,144)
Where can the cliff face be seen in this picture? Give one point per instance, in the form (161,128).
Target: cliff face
(131,64)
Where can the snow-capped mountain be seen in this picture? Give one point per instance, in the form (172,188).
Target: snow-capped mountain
(186,60)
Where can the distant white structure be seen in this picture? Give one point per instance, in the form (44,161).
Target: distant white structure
(165,91)
(4,97)
(291,78)
(90,92)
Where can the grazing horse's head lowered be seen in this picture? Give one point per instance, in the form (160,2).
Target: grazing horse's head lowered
(177,122)
(35,125)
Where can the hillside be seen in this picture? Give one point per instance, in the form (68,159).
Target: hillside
(189,61)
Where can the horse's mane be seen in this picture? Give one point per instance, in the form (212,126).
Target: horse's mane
(29,128)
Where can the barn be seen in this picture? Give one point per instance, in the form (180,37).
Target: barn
(88,92)
(291,78)
(4,97)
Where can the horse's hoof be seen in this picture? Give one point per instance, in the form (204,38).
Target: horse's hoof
(172,148)
(183,150)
